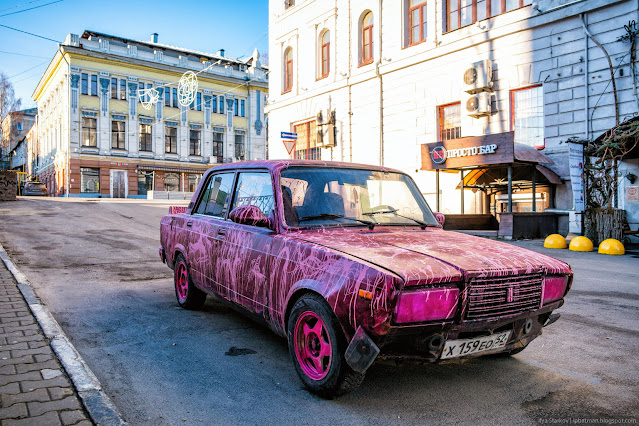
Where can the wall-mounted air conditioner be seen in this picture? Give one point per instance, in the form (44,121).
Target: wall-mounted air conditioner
(478,77)
(326,136)
(479,104)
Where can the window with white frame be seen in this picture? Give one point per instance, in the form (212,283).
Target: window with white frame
(89,131)
(145,137)
(194,142)
(170,139)
(288,70)
(218,144)
(527,116)
(118,134)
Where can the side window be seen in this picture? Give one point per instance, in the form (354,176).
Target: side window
(255,188)
(215,201)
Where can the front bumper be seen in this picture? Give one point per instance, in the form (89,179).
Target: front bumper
(415,342)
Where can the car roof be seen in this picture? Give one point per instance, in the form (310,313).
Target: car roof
(277,165)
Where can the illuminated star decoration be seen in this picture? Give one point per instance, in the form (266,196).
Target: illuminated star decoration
(152,97)
(187,87)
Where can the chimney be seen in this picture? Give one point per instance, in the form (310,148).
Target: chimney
(220,52)
(154,37)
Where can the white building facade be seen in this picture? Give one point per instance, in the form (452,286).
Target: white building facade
(380,79)
(111,121)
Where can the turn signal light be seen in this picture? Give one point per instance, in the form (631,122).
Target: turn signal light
(554,288)
(426,305)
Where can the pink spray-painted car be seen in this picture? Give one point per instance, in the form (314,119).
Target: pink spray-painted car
(348,262)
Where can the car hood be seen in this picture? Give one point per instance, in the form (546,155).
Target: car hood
(433,255)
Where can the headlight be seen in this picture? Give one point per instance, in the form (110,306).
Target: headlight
(553,288)
(426,305)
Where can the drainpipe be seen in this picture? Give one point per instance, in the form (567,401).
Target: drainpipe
(381,91)
(68,145)
(348,82)
(247,157)
(586,78)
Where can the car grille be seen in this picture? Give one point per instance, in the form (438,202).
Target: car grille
(503,296)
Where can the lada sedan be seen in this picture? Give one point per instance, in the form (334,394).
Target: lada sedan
(349,264)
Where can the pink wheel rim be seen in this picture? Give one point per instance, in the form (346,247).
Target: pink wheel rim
(312,345)
(181,281)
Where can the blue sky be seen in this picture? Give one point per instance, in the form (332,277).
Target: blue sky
(238,27)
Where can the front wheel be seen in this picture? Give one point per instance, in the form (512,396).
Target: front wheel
(188,296)
(317,345)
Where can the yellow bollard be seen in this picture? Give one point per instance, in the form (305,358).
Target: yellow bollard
(581,244)
(611,246)
(555,241)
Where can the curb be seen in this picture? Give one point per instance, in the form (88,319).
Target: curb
(97,403)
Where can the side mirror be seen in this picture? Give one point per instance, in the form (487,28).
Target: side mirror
(249,215)
(440,218)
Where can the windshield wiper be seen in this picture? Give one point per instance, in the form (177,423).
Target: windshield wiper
(370,224)
(422,224)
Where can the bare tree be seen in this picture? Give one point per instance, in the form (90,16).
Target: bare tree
(8,104)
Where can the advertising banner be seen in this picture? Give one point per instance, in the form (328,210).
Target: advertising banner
(576,163)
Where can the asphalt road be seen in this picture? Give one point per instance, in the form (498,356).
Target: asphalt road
(95,265)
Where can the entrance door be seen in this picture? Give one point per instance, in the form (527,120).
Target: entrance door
(119,185)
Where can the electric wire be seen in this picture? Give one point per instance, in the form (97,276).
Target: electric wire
(31,8)
(31,34)
(20,5)
(22,54)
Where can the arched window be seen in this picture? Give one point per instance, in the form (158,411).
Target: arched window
(325,42)
(367,38)
(288,70)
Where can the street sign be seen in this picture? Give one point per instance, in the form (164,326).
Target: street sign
(289,144)
(289,135)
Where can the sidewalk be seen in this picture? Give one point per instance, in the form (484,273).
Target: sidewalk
(34,389)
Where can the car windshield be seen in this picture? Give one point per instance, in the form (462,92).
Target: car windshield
(318,196)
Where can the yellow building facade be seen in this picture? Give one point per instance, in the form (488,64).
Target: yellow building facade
(114,121)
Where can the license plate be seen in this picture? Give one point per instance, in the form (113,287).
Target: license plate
(457,348)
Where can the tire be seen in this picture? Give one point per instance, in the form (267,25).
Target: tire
(317,346)
(188,296)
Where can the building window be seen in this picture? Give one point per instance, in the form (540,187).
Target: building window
(325,54)
(416,21)
(194,181)
(213,103)
(94,85)
(367,39)
(170,140)
(85,84)
(175,98)
(288,67)
(461,13)
(89,180)
(167,96)
(221,104)
(145,182)
(171,182)
(198,99)
(118,133)
(237,107)
(89,129)
(239,147)
(289,3)
(123,89)
(19,126)
(527,116)
(242,105)
(450,121)
(194,142)
(306,147)
(114,88)
(145,137)
(218,145)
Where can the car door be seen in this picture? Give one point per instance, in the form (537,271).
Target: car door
(244,249)
(204,226)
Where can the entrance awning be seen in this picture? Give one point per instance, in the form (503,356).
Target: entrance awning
(498,176)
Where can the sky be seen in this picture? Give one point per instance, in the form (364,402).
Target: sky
(207,26)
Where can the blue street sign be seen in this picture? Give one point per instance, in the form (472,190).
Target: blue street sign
(288,135)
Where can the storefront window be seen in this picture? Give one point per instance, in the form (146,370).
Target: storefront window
(239,147)
(145,182)
(89,180)
(171,182)
(194,181)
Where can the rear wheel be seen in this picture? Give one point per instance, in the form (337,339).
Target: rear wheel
(188,296)
(317,345)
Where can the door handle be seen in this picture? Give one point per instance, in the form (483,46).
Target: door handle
(189,224)
(221,232)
